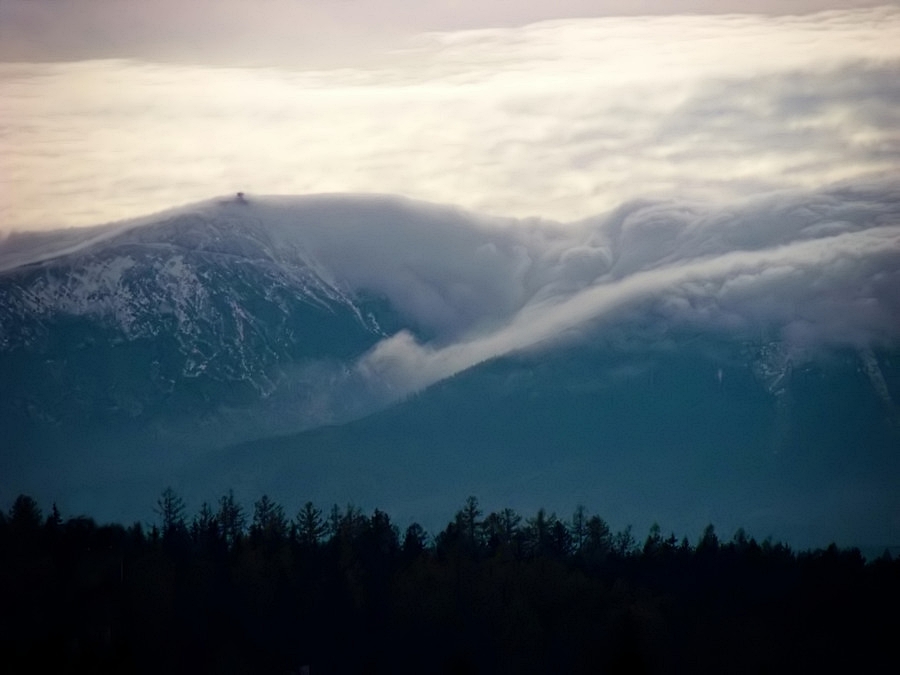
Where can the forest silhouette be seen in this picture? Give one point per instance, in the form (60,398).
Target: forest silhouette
(237,590)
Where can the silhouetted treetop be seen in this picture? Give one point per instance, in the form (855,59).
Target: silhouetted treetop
(489,593)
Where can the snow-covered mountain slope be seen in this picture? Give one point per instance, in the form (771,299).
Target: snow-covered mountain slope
(191,267)
(198,309)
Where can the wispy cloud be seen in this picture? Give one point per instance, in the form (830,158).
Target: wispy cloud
(312,31)
(560,119)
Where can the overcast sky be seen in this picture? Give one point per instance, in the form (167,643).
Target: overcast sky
(313,31)
(116,108)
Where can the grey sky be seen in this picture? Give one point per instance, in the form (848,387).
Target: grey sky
(561,119)
(313,32)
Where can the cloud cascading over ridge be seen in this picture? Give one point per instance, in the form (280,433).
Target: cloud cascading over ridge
(560,119)
(817,269)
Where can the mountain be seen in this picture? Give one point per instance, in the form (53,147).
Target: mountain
(664,362)
(683,434)
(201,309)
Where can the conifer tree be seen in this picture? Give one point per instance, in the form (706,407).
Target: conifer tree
(231,519)
(170,508)
(309,528)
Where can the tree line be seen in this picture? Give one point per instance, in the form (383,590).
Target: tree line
(230,589)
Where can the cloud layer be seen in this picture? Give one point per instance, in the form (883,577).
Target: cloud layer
(560,119)
(814,269)
(311,31)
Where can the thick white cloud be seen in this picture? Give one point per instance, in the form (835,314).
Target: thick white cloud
(821,269)
(559,119)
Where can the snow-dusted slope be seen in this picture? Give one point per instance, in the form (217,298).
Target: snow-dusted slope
(131,276)
(201,307)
